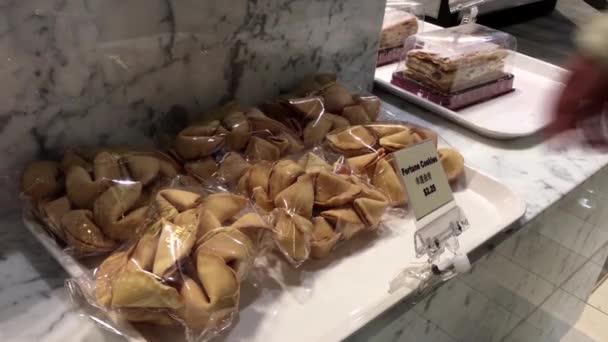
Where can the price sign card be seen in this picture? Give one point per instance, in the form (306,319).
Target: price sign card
(425,181)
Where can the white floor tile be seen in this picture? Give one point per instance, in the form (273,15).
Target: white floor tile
(542,256)
(573,233)
(566,318)
(467,315)
(585,205)
(583,282)
(508,284)
(409,327)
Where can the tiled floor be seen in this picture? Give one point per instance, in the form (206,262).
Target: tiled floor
(547,282)
(544,283)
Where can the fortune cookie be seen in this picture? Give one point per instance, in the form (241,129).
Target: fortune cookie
(452,162)
(316,130)
(352,141)
(385,179)
(356,115)
(261,149)
(334,190)
(365,163)
(200,141)
(41,179)
(299,197)
(309,108)
(111,211)
(174,244)
(239,131)
(233,167)
(312,163)
(399,140)
(81,189)
(324,238)
(83,234)
(202,169)
(292,235)
(143,169)
(371,105)
(142,289)
(283,174)
(345,220)
(336,97)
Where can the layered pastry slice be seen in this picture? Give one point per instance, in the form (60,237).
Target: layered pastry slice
(451,73)
(397,26)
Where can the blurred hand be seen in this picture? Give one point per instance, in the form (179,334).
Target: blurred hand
(585,94)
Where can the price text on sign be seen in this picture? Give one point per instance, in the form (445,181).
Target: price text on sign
(425,181)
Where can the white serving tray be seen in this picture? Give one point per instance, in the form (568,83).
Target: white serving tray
(330,299)
(520,113)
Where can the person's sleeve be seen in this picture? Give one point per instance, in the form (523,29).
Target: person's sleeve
(593,39)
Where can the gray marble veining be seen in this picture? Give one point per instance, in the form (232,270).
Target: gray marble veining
(113,71)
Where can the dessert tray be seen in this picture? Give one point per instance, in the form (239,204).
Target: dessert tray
(519,113)
(328,300)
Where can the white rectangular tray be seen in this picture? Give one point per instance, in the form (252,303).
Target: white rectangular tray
(520,113)
(330,299)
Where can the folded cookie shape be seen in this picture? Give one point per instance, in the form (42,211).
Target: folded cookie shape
(216,209)
(142,289)
(40,179)
(399,140)
(345,220)
(143,169)
(337,122)
(365,163)
(292,234)
(324,238)
(54,211)
(336,97)
(371,104)
(107,165)
(202,169)
(232,167)
(113,212)
(333,190)
(385,179)
(257,176)
(385,129)
(308,108)
(200,140)
(452,162)
(83,234)
(356,115)
(313,163)
(298,198)
(263,149)
(174,244)
(316,130)
(352,141)
(370,210)
(261,123)
(239,131)
(283,174)
(232,245)
(81,189)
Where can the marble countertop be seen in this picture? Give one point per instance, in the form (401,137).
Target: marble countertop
(31,282)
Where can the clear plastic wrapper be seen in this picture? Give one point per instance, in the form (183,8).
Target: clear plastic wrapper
(367,151)
(93,199)
(186,268)
(461,5)
(457,67)
(402,19)
(312,203)
(219,150)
